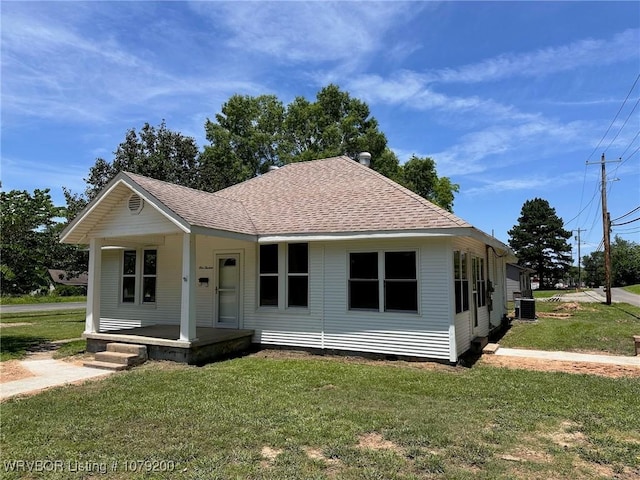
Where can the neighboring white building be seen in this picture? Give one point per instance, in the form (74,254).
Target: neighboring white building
(326,254)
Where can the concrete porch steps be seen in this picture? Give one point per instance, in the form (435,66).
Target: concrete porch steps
(119,356)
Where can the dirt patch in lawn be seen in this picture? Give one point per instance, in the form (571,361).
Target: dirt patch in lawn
(12,370)
(604,370)
(564,311)
(16,324)
(375,441)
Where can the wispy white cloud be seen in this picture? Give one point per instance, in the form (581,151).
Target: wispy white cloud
(529,182)
(307,31)
(486,149)
(56,69)
(584,53)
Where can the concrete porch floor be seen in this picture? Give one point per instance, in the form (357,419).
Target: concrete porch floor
(162,342)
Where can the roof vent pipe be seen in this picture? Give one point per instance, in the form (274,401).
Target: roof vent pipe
(365,159)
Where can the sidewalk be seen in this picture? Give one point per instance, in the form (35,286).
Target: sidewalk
(569,356)
(48,373)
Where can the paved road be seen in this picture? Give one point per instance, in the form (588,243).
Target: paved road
(618,295)
(41,307)
(621,295)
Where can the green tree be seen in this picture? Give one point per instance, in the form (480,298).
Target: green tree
(625,262)
(540,241)
(593,266)
(420,176)
(154,152)
(245,139)
(29,246)
(250,134)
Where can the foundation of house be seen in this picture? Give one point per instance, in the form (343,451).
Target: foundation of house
(162,342)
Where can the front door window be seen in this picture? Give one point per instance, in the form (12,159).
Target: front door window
(227,291)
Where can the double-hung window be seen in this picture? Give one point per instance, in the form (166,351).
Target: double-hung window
(400,282)
(461,281)
(284,275)
(298,275)
(363,281)
(390,276)
(269,275)
(481,283)
(139,276)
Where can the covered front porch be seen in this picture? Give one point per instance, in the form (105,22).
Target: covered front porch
(163,342)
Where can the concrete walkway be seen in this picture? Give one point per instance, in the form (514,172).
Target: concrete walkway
(569,356)
(48,373)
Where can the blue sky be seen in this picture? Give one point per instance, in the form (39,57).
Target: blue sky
(510,99)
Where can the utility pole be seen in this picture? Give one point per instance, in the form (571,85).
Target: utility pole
(606,230)
(606,227)
(579,257)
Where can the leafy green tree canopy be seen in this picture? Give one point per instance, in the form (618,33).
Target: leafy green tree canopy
(625,264)
(154,152)
(420,176)
(29,244)
(250,134)
(540,241)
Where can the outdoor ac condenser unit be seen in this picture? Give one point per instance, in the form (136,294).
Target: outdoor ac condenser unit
(527,309)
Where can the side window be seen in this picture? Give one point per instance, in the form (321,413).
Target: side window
(139,276)
(363,281)
(481,283)
(298,275)
(149,267)
(268,275)
(400,281)
(461,281)
(129,276)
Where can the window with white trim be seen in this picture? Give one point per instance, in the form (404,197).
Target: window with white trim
(481,283)
(298,275)
(139,276)
(400,282)
(363,281)
(388,275)
(268,275)
(461,281)
(284,275)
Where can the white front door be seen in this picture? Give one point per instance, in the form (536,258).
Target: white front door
(227,290)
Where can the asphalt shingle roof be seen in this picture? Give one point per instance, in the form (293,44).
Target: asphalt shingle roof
(333,195)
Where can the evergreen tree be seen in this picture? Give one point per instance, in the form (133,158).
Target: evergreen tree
(540,241)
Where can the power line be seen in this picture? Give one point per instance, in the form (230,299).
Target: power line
(630,143)
(625,223)
(627,214)
(614,118)
(623,125)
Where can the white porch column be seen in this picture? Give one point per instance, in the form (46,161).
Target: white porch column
(92,321)
(188,305)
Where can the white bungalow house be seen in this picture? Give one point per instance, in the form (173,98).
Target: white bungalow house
(327,255)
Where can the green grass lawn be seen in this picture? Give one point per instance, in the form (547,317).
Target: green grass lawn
(633,289)
(38,328)
(594,327)
(316,418)
(34,299)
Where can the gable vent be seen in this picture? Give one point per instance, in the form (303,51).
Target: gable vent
(135,204)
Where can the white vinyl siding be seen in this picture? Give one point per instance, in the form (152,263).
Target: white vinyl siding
(396,333)
(166,310)
(120,222)
(464,329)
